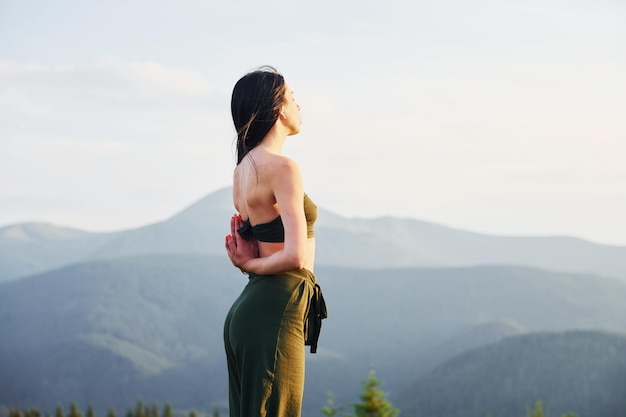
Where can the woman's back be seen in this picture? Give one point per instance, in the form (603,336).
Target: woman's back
(252,190)
(268,187)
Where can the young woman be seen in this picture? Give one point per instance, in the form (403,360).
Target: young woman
(272,240)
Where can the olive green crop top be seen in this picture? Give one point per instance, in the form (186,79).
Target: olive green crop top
(274,230)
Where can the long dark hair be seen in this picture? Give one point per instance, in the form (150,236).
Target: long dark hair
(255,105)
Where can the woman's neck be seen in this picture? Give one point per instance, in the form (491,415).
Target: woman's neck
(273,141)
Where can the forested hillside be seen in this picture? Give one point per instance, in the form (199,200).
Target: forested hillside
(110,331)
(579,371)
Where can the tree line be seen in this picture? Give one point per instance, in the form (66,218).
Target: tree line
(140,410)
(373,402)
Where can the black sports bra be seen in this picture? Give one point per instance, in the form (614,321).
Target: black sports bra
(274,230)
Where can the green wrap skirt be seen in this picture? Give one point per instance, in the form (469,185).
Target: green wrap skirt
(264,337)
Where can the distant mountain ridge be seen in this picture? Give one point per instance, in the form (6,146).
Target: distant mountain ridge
(30,248)
(555,368)
(109,331)
(369,243)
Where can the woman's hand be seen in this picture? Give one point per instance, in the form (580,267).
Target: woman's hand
(240,250)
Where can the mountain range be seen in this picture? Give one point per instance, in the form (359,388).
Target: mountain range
(385,242)
(108,318)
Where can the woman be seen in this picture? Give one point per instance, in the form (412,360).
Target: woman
(272,240)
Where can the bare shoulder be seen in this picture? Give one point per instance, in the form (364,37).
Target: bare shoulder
(284,164)
(285,169)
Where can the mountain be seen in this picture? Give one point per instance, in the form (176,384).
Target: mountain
(110,332)
(366,243)
(30,248)
(579,371)
(405,321)
(107,332)
(388,242)
(199,228)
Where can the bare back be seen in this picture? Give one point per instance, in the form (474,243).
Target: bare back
(265,186)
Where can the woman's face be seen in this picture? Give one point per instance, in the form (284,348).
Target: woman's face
(291,112)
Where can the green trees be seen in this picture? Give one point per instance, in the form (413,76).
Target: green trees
(538,411)
(74,411)
(329,410)
(167,411)
(373,402)
(140,410)
(32,412)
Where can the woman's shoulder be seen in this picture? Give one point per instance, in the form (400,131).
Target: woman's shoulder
(271,170)
(287,169)
(278,164)
(285,162)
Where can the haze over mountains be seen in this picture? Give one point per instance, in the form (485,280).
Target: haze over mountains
(368,243)
(456,323)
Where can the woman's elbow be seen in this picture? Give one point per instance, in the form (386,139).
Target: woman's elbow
(297,260)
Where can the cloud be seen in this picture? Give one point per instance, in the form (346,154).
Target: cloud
(107,77)
(79,137)
(153,79)
(108,97)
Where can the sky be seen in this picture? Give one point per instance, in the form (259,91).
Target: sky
(500,117)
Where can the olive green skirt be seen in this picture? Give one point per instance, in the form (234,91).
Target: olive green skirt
(264,337)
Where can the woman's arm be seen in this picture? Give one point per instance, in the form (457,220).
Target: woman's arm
(286,184)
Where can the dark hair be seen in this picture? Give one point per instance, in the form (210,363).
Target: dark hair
(255,105)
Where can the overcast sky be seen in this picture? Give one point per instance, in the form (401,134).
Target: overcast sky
(502,117)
